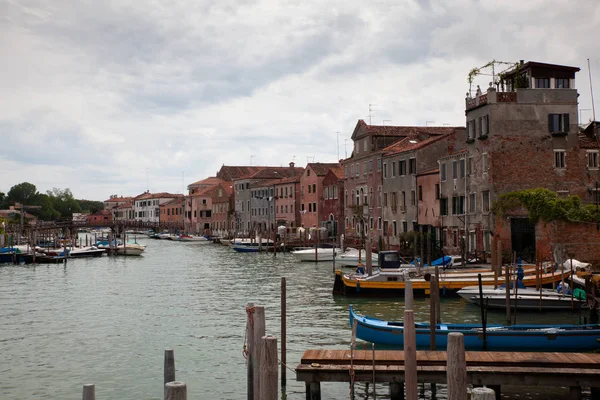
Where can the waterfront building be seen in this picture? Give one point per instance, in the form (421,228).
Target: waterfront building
(100,217)
(114,201)
(521,134)
(402,162)
(222,209)
(123,212)
(287,202)
(311,194)
(147,205)
(172,211)
(332,206)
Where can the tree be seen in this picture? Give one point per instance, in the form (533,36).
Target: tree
(24,193)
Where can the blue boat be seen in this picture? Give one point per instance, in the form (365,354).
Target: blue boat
(245,248)
(499,337)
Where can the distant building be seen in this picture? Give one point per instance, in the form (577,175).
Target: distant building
(101,217)
(147,206)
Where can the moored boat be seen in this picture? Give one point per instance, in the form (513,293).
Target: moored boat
(318,254)
(130,249)
(350,258)
(499,337)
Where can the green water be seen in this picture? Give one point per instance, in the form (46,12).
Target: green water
(108,321)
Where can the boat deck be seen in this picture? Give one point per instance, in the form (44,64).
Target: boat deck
(494,369)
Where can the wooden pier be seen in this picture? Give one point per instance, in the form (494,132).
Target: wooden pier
(493,369)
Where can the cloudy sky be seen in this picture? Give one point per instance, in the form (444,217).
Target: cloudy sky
(113,97)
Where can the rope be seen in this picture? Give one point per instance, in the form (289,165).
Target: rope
(291,369)
(250,313)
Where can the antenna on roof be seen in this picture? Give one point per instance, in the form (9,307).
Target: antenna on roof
(592,93)
(370,109)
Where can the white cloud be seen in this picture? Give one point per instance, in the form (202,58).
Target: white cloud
(97,96)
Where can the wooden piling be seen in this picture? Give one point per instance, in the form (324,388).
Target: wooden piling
(250,350)
(175,391)
(408,295)
(89,392)
(438,307)
(268,369)
(410,356)
(169,366)
(283,331)
(507,289)
(313,391)
(572,286)
(259,332)
(456,373)
(396,390)
(432,318)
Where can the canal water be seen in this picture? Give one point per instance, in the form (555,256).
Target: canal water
(108,321)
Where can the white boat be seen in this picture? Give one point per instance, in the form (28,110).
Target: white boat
(190,238)
(349,258)
(130,249)
(165,236)
(468,292)
(319,254)
(90,251)
(531,302)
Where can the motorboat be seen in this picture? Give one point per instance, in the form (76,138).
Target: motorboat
(90,251)
(468,292)
(130,249)
(195,239)
(316,254)
(350,258)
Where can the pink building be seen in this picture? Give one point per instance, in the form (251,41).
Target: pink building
(287,202)
(311,193)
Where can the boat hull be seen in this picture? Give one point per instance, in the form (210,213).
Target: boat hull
(309,255)
(531,303)
(520,337)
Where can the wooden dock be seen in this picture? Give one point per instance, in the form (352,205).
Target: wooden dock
(493,369)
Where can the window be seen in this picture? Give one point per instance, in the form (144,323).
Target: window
(314,188)
(370,166)
(357,169)
(558,123)
(402,167)
(379,223)
(592,159)
(384,170)
(542,83)
(346,198)
(413,199)
(307,171)
(310,207)
(314,207)
(302,207)
(412,166)
(385,228)
(471,129)
(345,172)
(351,197)
(559,159)
(484,162)
(379,199)
(365,168)
(437,191)
(393,169)
(379,164)
(472,240)
(443,172)
(309,187)
(365,144)
(335,192)
(444,206)
(561,83)
(454,169)
(385,199)
(352,170)
(485,198)
(404,226)
(462,167)
(470,166)
(403,199)
(420,192)
(484,128)
(357,197)
(357,147)
(486,241)
(370,196)
(472,203)
(395,228)
(458,205)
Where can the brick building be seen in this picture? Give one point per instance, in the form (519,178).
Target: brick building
(311,194)
(332,208)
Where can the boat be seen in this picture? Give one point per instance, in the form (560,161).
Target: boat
(316,254)
(130,249)
(498,337)
(488,290)
(531,302)
(391,281)
(90,251)
(350,258)
(190,238)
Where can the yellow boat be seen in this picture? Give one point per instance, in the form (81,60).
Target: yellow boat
(392,282)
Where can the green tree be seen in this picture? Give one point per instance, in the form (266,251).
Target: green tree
(24,193)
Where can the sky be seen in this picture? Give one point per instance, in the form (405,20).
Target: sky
(117,97)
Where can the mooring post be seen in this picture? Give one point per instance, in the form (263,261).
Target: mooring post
(456,373)
(175,391)
(408,295)
(268,369)
(89,392)
(433,299)
(410,356)
(169,366)
(283,331)
(259,332)
(249,349)
(396,390)
(313,391)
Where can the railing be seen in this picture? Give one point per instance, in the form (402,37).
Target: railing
(506,97)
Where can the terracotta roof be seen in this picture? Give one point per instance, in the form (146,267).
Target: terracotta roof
(338,171)
(204,192)
(212,180)
(291,179)
(587,141)
(161,195)
(126,205)
(322,168)
(391,130)
(413,143)
(172,202)
(118,199)
(277,172)
(229,173)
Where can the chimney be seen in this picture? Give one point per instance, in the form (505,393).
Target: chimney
(292,164)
